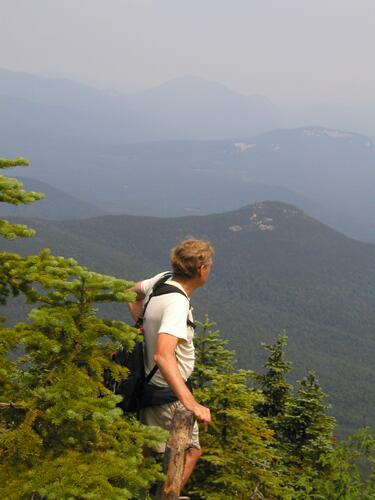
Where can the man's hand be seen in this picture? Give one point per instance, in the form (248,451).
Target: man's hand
(136,308)
(202,414)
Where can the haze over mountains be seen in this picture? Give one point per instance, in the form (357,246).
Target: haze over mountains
(185,108)
(56,204)
(81,140)
(275,269)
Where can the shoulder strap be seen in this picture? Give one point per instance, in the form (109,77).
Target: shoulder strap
(161,281)
(165,288)
(162,288)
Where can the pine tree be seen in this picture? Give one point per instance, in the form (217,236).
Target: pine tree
(11,191)
(351,475)
(273,384)
(211,354)
(244,459)
(307,429)
(61,434)
(303,430)
(307,439)
(239,455)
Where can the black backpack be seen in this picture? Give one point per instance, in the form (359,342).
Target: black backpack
(136,391)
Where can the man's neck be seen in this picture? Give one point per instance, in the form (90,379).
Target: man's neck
(189,285)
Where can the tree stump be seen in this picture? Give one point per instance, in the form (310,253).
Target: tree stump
(174,457)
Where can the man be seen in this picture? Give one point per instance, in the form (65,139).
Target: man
(169,339)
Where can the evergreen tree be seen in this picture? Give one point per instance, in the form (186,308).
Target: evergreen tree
(211,354)
(356,457)
(307,429)
(351,475)
(317,468)
(239,459)
(307,439)
(273,384)
(244,459)
(303,430)
(61,434)
(11,191)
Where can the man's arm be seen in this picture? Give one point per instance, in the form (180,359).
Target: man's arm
(165,358)
(136,308)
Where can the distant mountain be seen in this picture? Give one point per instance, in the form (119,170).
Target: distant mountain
(185,108)
(275,268)
(340,116)
(60,92)
(56,205)
(39,129)
(193,108)
(328,173)
(332,167)
(87,143)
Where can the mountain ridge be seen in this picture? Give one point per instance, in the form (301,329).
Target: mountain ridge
(98,154)
(147,116)
(299,275)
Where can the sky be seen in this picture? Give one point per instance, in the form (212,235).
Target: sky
(287,50)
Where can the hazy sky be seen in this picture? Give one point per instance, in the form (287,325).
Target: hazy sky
(286,49)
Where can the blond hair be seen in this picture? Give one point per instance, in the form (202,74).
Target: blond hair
(189,256)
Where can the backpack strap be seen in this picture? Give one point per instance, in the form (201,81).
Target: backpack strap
(165,288)
(159,283)
(162,288)
(151,374)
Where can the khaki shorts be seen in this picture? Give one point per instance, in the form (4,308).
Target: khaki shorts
(161,416)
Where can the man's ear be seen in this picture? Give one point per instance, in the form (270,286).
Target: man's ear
(200,270)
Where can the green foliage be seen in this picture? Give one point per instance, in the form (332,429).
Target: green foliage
(273,385)
(61,433)
(240,457)
(316,466)
(302,427)
(352,472)
(211,354)
(271,442)
(307,429)
(358,458)
(11,191)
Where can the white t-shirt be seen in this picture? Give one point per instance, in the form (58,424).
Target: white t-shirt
(168,314)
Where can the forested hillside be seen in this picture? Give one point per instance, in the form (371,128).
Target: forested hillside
(61,432)
(275,268)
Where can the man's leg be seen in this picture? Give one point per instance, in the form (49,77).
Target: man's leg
(191,459)
(162,416)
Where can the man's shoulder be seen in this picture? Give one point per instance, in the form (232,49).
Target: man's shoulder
(174,297)
(148,284)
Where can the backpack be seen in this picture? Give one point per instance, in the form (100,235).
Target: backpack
(136,391)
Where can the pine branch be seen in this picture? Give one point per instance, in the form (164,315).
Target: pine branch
(4,406)
(17,162)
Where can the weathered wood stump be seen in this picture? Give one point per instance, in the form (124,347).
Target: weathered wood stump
(174,457)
